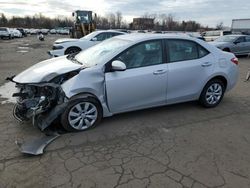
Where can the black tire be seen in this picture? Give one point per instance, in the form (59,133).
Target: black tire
(72,50)
(204,97)
(226,50)
(79,100)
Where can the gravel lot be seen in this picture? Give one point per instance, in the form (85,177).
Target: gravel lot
(181,145)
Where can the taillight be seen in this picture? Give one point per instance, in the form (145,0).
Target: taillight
(235,60)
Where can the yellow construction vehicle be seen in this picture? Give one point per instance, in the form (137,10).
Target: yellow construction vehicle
(85,23)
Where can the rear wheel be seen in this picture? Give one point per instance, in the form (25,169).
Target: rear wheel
(72,50)
(81,114)
(212,93)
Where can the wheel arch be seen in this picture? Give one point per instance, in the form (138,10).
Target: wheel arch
(220,77)
(72,47)
(86,95)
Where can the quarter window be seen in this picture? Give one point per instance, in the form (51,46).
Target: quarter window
(144,54)
(202,51)
(182,50)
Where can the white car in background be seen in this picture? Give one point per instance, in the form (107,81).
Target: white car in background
(52,31)
(34,31)
(213,35)
(17,33)
(64,32)
(5,33)
(66,46)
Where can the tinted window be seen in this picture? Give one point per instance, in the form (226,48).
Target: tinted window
(101,37)
(227,32)
(241,39)
(248,39)
(144,54)
(116,34)
(181,50)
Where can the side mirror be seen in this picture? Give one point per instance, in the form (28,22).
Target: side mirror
(94,39)
(73,14)
(118,66)
(236,42)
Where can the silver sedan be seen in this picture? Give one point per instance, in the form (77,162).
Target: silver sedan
(237,44)
(125,73)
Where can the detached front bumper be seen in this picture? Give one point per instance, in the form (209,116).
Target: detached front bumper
(40,103)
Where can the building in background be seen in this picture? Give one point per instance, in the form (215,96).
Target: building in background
(241,26)
(143,23)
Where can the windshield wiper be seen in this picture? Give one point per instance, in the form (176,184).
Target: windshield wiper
(73,59)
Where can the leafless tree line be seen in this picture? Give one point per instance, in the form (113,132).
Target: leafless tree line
(166,22)
(36,21)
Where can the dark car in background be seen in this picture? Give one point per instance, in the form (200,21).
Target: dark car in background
(24,34)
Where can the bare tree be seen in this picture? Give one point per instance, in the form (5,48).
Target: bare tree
(118,19)
(111,20)
(220,26)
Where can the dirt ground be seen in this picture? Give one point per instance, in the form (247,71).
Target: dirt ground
(175,146)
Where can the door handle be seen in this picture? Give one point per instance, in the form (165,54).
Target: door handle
(160,72)
(207,64)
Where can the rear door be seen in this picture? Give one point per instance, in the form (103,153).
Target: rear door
(189,67)
(143,84)
(247,47)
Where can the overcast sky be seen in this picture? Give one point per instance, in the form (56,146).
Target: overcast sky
(207,12)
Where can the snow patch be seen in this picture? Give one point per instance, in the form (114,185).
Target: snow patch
(6,92)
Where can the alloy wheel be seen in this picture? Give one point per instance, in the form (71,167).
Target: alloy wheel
(82,116)
(214,93)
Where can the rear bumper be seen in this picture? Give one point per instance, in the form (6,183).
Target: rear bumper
(233,78)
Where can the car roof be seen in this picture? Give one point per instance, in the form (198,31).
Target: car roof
(137,37)
(236,35)
(108,31)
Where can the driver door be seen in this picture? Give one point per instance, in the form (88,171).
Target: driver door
(143,84)
(239,46)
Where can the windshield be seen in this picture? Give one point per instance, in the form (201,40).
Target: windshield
(226,39)
(89,36)
(96,54)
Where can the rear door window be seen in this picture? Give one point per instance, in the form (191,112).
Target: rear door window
(183,50)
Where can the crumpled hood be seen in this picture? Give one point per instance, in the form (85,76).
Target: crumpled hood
(46,70)
(63,40)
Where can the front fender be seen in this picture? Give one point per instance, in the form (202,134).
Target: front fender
(89,80)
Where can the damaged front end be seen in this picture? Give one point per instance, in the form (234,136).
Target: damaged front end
(42,103)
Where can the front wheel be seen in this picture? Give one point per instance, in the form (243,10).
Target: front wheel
(72,50)
(81,114)
(212,93)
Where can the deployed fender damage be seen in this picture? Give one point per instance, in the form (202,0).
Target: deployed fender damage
(44,101)
(41,103)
